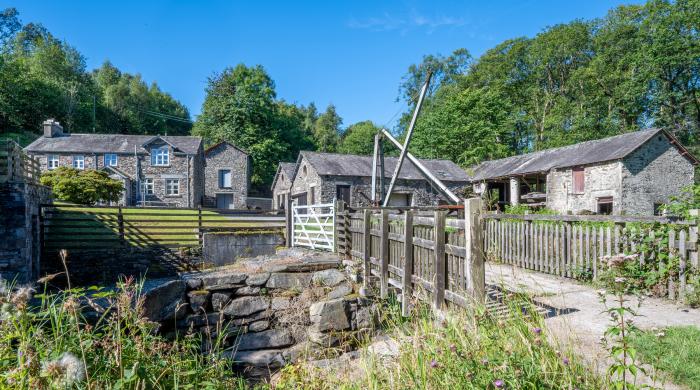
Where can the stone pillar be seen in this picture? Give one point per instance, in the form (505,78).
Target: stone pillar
(514,191)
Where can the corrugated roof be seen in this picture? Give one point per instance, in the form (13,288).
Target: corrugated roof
(109,143)
(590,152)
(332,164)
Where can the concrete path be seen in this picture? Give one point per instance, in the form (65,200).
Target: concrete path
(583,328)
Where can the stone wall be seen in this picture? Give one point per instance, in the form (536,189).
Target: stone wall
(600,180)
(280,191)
(222,248)
(652,174)
(20,249)
(227,156)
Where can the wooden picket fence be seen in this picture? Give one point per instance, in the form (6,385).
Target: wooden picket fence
(15,165)
(572,246)
(412,248)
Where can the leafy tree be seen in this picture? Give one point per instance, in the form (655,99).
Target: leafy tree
(359,138)
(446,70)
(82,186)
(327,130)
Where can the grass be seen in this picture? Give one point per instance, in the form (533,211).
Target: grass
(50,345)
(467,350)
(676,351)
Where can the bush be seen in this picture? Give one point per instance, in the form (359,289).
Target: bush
(82,186)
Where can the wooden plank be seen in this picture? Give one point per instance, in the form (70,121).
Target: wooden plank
(587,218)
(366,252)
(474,251)
(682,263)
(384,256)
(671,249)
(439,258)
(407,281)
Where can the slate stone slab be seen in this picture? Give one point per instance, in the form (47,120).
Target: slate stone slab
(289,280)
(268,339)
(245,306)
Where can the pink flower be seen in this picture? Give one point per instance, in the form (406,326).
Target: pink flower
(565,361)
(537,331)
(434,364)
(498,383)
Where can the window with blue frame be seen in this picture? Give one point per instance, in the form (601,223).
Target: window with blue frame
(111,160)
(160,156)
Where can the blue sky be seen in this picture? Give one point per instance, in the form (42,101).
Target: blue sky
(352,54)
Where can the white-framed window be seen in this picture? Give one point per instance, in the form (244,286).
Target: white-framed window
(224,178)
(52,161)
(79,162)
(172,187)
(111,160)
(147,186)
(160,156)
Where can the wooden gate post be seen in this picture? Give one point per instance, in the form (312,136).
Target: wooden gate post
(384,257)
(339,226)
(288,219)
(439,251)
(476,273)
(200,236)
(407,279)
(693,240)
(367,238)
(120,222)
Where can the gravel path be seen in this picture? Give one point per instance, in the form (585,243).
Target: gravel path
(583,328)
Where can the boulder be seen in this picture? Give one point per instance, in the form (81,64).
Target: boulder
(250,319)
(288,281)
(328,278)
(163,300)
(329,315)
(308,265)
(269,358)
(257,279)
(199,300)
(222,280)
(340,291)
(268,339)
(193,283)
(220,299)
(245,306)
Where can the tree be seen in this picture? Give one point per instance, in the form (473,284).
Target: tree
(359,138)
(327,130)
(82,186)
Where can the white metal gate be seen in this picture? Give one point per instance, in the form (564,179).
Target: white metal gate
(313,226)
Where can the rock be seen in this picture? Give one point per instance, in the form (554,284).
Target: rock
(220,299)
(309,265)
(245,306)
(193,283)
(163,301)
(301,350)
(280,303)
(364,318)
(250,319)
(384,346)
(248,290)
(340,291)
(258,326)
(328,278)
(257,279)
(222,281)
(270,358)
(329,315)
(199,320)
(273,338)
(288,280)
(198,300)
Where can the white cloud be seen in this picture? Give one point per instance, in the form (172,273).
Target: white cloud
(414,21)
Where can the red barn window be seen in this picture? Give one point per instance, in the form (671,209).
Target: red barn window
(578,179)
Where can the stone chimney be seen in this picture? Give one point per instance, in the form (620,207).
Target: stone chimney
(52,128)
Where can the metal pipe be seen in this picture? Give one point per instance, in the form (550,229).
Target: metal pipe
(428,175)
(407,141)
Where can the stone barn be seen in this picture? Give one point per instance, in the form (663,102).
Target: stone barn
(322,177)
(226,176)
(628,174)
(281,185)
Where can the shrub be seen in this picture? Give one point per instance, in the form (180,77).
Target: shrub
(82,186)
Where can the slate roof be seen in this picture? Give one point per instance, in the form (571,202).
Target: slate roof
(590,152)
(216,145)
(332,164)
(288,169)
(109,143)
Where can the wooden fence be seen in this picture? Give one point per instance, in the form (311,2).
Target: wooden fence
(572,246)
(15,165)
(100,227)
(407,248)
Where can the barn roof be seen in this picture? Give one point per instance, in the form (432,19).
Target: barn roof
(332,164)
(110,143)
(216,145)
(288,169)
(590,152)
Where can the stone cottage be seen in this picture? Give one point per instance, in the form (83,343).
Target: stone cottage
(227,176)
(322,177)
(282,184)
(628,174)
(155,170)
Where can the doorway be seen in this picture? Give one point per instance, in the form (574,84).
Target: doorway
(224,201)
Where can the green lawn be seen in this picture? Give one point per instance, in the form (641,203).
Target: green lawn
(676,352)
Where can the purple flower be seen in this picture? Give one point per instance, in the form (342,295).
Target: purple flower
(498,383)
(565,361)
(537,331)
(434,363)
(453,348)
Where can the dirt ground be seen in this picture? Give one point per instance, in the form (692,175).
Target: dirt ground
(582,328)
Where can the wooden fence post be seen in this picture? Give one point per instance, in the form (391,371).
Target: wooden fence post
(120,222)
(200,236)
(338,211)
(407,279)
(476,273)
(367,221)
(384,257)
(439,251)
(693,240)
(288,219)
(346,231)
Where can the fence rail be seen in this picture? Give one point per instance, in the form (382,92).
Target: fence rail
(15,165)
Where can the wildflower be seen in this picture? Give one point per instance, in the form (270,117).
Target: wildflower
(565,360)
(22,296)
(71,304)
(47,278)
(453,348)
(537,331)
(434,364)
(498,383)
(67,370)
(484,361)
(661,334)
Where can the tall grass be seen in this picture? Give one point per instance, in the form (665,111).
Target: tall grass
(47,343)
(464,350)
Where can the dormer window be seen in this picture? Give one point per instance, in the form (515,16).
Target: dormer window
(160,156)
